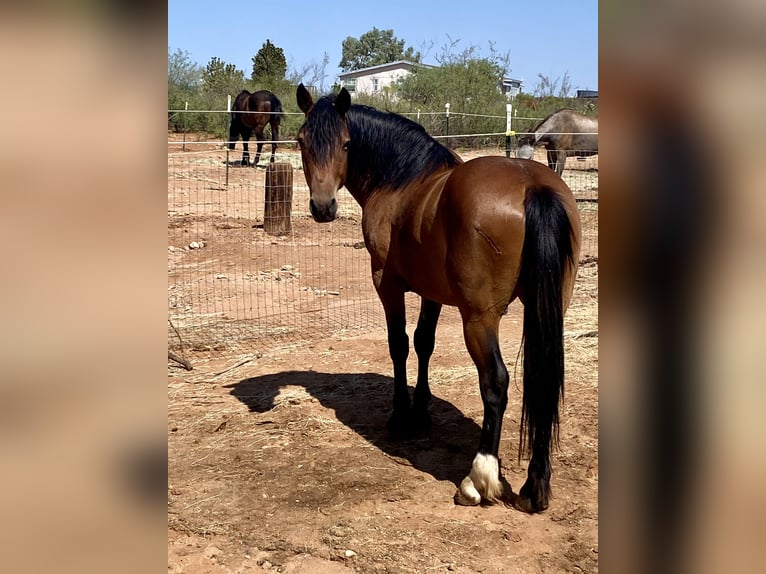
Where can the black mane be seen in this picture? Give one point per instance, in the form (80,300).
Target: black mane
(386,149)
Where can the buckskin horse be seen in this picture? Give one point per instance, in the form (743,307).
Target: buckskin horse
(252,111)
(475,235)
(564,133)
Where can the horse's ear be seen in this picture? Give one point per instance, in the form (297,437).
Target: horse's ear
(305,101)
(343,101)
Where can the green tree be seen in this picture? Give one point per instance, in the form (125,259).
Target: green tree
(465,80)
(184,79)
(470,83)
(269,65)
(183,74)
(220,78)
(373,48)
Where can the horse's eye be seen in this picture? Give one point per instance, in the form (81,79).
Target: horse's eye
(345,145)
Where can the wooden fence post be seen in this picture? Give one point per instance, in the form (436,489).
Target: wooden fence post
(278,196)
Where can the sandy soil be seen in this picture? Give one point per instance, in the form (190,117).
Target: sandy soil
(279,459)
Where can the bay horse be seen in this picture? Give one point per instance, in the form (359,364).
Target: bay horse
(252,111)
(474,235)
(564,133)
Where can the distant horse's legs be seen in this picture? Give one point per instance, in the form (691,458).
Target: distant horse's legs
(425,334)
(274,138)
(246,133)
(556,160)
(484,481)
(260,137)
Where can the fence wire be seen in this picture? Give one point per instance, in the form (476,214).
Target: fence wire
(233,286)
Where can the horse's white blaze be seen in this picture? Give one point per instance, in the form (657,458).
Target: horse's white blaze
(482,482)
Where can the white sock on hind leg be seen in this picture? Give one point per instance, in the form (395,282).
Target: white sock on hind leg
(483,482)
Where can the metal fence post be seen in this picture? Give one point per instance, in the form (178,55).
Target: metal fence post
(446,120)
(508,131)
(226,136)
(186,125)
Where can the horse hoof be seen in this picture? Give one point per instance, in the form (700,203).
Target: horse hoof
(483,483)
(526,505)
(531,498)
(466,494)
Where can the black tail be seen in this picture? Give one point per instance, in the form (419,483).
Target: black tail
(276,105)
(234,130)
(546,253)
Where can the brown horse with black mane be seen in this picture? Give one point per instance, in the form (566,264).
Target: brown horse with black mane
(475,235)
(252,112)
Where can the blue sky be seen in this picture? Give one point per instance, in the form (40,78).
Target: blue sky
(551,38)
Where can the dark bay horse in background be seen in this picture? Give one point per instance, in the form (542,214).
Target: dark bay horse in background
(474,235)
(564,133)
(260,108)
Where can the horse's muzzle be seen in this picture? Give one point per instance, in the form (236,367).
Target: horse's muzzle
(324,212)
(525,152)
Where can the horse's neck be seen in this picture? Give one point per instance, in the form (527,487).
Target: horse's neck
(359,179)
(358,190)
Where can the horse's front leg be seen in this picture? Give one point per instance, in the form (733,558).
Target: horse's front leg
(274,138)
(484,481)
(246,133)
(392,298)
(425,335)
(260,138)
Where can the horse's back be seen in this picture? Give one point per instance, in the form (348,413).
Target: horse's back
(495,184)
(488,194)
(571,130)
(482,207)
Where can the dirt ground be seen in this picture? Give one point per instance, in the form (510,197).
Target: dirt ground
(278,458)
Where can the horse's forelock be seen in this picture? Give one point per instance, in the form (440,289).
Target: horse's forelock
(323,129)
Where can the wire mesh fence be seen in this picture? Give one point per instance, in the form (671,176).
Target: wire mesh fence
(238,280)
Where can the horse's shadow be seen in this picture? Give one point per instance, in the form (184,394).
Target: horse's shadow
(362,401)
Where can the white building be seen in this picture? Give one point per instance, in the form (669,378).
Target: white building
(374,79)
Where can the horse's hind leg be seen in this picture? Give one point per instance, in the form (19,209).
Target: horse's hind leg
(425,334)
(246,133)
(534,494)
(233,133)
(261,138)
(484,481)
(556,160)
(274,138)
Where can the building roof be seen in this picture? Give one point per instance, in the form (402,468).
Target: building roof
(383,68)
